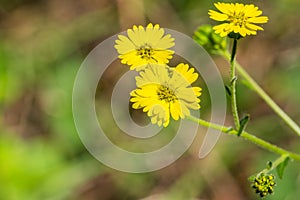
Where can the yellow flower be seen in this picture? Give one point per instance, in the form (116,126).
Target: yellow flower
(144,46)
(237,18)
(163,92)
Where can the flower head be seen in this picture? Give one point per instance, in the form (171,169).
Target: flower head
(144,46)
(264,184)
(238,18)
(163,92)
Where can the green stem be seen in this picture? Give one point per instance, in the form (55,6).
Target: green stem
(233,53)
(277,162)
(260,142)
(233,86)
(265,97)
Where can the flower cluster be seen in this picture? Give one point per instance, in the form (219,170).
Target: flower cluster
(165,92)
(162,91)
(264,184)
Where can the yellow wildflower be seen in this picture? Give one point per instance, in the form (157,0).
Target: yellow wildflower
(144,46)
(237,18)
(163,92)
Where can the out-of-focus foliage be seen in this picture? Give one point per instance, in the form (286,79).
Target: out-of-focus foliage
(212,42)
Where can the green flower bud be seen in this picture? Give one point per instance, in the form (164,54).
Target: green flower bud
(212,42)
(264,184)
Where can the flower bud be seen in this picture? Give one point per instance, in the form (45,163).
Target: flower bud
(264,184)
(212,42)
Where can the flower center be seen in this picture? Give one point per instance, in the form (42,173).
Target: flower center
(146,52)
(238,19)
(166,94)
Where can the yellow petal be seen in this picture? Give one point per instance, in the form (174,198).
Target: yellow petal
(175,110)
(223,7)
(217,16)
(186,73)
(124,45)
(258,20)
(253,27)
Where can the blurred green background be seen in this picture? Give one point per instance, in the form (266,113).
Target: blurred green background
(44,42)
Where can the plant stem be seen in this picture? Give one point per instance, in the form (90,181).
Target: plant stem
(260,142)
(233,53)
(277,162)
(265,96)
(233,86)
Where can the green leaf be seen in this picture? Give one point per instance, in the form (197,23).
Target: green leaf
(252,177)
(281,167)
(229,129)
(269,165)
(243,123)
(228,90)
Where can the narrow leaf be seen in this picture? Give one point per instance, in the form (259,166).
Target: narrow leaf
(281,167)
(269,165)
(228,90)
(243,123)
(234,79)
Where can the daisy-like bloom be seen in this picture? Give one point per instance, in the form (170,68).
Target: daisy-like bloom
(163,92)
(144,46)
(237,18)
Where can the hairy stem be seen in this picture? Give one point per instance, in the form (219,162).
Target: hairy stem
(287,119)
(233,86)
(275,164)
(260,142)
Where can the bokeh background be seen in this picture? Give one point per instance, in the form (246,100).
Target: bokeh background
(44,42)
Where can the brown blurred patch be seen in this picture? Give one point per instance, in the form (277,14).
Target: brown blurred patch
(25,116)
(101,187)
